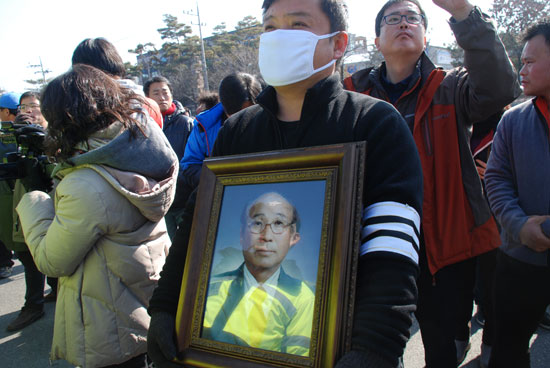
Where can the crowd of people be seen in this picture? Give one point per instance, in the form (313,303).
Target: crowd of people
(106,218)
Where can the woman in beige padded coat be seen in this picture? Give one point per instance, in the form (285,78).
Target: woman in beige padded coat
(103,234)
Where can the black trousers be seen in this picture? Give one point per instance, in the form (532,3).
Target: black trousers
(5,256)
(34,281)
(139,361)
(521,294)
(486,264)
(440,308)
(483,294)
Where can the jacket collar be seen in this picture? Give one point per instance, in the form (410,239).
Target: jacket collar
(156,156)
(286,282)
(371,78)
(541,106)
(211,116)
(318,95)
(168,116)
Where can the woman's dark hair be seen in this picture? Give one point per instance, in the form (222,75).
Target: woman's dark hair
(81,102)
(208,99)
(237,88)
(99,53)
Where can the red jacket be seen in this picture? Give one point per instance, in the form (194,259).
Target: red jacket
(440,107)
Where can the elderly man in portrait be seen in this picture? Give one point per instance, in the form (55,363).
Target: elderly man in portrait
(259,304)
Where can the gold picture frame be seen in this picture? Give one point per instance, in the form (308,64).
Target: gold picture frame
(324,185)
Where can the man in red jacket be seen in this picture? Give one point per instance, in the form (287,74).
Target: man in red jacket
(440,107)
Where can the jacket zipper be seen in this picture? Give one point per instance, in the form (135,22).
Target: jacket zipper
(427,137)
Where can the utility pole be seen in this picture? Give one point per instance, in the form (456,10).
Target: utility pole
(204,69)
(41,71)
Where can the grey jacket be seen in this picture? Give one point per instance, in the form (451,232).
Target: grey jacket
(518,177)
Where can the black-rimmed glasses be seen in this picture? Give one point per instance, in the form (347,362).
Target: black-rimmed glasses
(28,107)
(412,18)
(277,226)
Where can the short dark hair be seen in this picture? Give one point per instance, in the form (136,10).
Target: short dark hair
(208,99)
(29,94)
(336,11)
(157,79)
(380,14)
(237,88)
(99,53)
(81,102)
(542,28)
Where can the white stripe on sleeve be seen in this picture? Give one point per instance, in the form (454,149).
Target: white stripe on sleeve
(391,227)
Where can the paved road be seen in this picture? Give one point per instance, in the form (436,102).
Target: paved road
(29,348)
(540,349)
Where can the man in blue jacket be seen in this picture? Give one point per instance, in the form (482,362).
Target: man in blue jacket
(517,181)
(237,91)
(176,126)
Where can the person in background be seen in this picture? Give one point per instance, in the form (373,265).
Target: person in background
(29,110)
(186,111)
(35,176)
(439,107)
(480,145)
(207,100)
(9,103)
(176,124)
(101,54)
(31,113)
(304,106)
(237,91)
(517,177)
(177,128)
(103,233)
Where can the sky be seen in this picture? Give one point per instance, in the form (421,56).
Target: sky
(35,31)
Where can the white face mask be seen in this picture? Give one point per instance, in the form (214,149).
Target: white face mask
(286,56)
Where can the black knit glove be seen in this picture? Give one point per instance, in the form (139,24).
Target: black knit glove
(362,359)
(35,175)
(161,340)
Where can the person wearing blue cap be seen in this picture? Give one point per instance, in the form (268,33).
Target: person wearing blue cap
(8,111)
(8,106)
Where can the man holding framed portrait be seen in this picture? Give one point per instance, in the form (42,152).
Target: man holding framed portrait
(259,304)
(305,106)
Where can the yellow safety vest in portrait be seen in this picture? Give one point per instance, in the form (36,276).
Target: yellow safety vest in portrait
(284,327)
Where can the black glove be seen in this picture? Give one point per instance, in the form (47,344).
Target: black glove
(545,226)
(161,340)
(362,359)
(35,176)
(23,118)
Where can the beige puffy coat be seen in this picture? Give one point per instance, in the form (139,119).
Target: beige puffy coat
(104,236)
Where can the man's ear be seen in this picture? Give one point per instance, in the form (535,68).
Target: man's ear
(294,239)
(340,44)
(377,43)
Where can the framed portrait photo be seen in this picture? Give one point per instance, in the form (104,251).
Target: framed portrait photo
(269,277)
